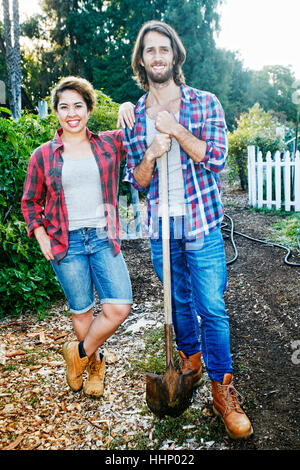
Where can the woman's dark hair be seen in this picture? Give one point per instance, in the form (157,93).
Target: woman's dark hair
(81,85)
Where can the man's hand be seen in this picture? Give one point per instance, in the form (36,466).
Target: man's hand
(194,147)
(160,145)
(143,172)
(44,242)
(166,123)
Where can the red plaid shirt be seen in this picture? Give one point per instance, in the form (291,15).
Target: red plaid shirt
(43,202)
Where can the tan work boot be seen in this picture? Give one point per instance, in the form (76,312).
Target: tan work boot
(94,384)
(75,365)
(227,406)
(192,363)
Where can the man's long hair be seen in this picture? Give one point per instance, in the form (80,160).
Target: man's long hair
(139,71)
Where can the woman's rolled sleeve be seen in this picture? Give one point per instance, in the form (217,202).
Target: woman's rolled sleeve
(32,203)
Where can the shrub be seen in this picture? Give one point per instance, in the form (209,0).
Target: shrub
(257,127)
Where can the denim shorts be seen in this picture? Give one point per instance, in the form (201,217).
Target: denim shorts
(88,264)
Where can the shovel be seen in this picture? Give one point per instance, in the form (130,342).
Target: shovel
(169,394)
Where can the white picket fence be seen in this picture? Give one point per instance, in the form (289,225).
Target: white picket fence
(274,181)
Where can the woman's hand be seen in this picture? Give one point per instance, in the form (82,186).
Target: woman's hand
(44,242)
(126,115)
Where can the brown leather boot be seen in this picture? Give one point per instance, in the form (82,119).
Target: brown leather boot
(227,406)
(192,363)
(94,385)
(75,365)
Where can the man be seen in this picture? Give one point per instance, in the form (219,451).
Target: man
(190,126)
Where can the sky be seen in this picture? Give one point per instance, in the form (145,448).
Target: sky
(263,32)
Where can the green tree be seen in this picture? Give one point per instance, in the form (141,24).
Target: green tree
(207,67)
(69,39)
(94,39)
(123,20)
(231,84)
(201,21)
(272,87)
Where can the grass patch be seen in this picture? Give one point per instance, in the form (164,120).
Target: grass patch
(287,231)
(152,358)
(192,424)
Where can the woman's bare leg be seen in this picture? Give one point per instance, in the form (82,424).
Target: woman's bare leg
(81,325)
(104,325)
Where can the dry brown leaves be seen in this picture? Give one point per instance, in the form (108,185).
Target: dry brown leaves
(37,408)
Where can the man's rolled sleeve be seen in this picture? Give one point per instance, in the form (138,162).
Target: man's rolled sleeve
(132,160)
(214,132)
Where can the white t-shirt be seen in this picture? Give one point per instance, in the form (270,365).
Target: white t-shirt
(83,194)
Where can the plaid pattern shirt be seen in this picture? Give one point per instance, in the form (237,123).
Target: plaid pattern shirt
(43,202)
(202,114)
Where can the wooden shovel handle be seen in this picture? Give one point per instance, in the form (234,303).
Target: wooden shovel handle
(166,241)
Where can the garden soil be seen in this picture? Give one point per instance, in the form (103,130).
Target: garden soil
(38,411)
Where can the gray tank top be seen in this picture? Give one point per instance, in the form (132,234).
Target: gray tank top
(82,191)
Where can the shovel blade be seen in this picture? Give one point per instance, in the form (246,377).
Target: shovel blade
(169,394)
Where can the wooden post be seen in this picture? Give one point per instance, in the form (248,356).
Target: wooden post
(2,93)
(251,175)
(287,181)
(277,180)
(43,109)
(260,181)
(269,179)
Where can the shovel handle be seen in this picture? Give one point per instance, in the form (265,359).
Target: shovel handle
(166,241)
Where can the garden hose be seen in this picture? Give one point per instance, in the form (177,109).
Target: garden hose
(231,231)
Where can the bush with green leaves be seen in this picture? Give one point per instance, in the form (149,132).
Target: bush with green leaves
(257,127)
(27,281)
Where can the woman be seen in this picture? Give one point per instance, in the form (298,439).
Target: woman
(70,206)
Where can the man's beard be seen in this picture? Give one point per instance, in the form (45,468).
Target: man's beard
(159,78)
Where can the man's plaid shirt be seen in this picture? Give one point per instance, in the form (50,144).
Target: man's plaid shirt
(43,202)
(202,114)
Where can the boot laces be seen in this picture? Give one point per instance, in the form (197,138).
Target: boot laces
(94,368)
(187,363)
(233,399)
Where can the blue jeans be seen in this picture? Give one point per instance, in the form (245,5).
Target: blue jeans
(90,263)
(198,282)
